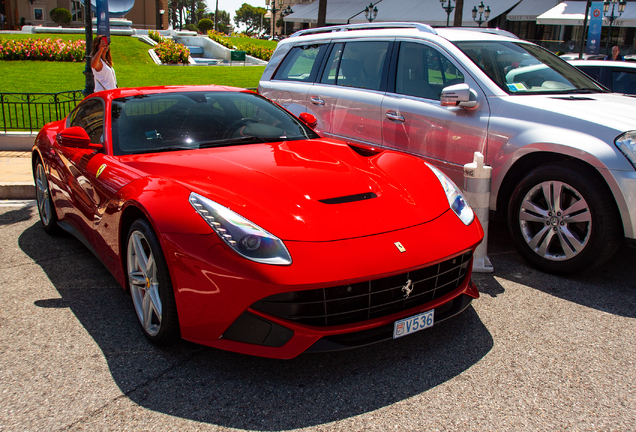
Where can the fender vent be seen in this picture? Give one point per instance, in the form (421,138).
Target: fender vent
(349,198)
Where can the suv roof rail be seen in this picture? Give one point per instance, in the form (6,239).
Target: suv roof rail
(367,26)
(496,31)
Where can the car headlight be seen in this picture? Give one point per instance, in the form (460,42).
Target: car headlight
(456,199)
(246,238)
(626,143)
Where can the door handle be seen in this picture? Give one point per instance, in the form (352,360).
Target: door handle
(317,101)
(392,115)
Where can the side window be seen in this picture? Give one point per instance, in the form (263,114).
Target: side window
(301,64)
(624,81)
(423,71)
(593,72)
(329,75)
(358,64)
(90,116)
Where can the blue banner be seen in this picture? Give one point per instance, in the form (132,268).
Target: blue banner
(594,29)
(103,23)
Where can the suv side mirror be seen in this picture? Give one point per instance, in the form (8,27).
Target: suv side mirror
(460,95)
(76,137)
(309,119)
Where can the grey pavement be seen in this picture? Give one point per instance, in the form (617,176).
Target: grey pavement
(535,352)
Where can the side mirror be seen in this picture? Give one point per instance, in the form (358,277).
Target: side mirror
(76,137)
(309,119)
(460,95)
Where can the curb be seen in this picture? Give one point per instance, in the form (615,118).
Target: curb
(17,190)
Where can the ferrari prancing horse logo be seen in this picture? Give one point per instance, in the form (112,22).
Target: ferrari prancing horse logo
(400,247)
(100,170)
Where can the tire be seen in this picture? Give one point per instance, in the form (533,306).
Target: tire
(150,285)
(575,230)
(48,216)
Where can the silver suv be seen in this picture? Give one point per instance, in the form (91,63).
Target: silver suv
(562,148)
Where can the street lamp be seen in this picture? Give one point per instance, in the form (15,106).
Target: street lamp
(611,17)
(485,13)
(161,12)
(370,12)
(274,10)
(448,8)
(287,11)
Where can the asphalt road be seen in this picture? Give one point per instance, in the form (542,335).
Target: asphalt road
(536,352)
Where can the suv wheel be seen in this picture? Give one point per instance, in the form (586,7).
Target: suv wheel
(562,220)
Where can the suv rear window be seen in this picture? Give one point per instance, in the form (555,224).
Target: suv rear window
(356,64)
(301,64)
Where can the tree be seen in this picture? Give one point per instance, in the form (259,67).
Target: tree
(322,13)
(205,24)
(251,17)
(459,12)
(61,16)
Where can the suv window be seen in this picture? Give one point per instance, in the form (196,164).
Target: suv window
(423,71)
(356,64)
(301,64)
(624,81)
(90,116)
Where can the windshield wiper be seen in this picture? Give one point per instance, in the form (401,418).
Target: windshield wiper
(167,149)
(232,141)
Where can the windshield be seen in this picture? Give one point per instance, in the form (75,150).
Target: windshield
(185,120)
(520,68)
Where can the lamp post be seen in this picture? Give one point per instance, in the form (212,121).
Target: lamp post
(448,8)
(274,10)
(161,12)
(485,13)
(370,12)
(611,17)
(88,29)
(287,11)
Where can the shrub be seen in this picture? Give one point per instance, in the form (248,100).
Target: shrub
(205,24)
(171,52)
(42,49)
(191,27)
(61,16)
(155,36)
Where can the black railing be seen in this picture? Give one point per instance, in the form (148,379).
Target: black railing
(31,111)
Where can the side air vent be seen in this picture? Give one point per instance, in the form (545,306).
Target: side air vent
(349,198)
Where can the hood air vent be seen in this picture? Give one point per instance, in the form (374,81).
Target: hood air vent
(573,98)
(349,198)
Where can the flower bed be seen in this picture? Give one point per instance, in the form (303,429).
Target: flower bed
(171,52)
(246,45)
(42,49)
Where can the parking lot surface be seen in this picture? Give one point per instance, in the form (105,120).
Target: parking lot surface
(534,352)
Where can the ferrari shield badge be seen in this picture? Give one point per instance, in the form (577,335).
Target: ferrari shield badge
(100,170)
(400,247)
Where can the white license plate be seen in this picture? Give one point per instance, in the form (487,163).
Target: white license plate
(413,324)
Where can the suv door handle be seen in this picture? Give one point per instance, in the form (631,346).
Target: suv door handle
(317,101)
(392,115)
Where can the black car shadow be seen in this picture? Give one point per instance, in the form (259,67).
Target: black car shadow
(238,391)
(610,287)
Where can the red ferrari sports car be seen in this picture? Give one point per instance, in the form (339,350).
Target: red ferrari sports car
(234,225)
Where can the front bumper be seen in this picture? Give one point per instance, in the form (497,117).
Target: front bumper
(215,289)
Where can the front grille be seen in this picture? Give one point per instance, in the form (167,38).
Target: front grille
(346,304)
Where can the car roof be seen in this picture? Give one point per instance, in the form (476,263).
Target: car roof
(399,29)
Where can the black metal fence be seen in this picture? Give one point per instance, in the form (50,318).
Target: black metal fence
(31,111)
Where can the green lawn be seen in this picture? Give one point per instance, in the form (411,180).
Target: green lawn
(133,66)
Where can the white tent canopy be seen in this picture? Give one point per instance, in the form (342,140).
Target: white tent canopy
(424,11)
(529,10)
(572,13)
